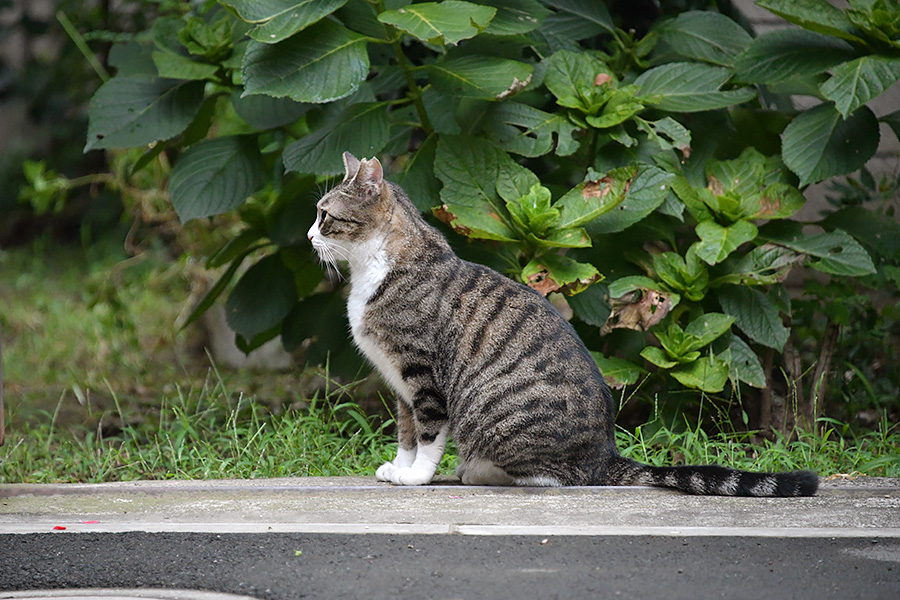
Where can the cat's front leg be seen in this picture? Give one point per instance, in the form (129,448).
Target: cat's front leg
(429,414)
(428,457)
(406,446)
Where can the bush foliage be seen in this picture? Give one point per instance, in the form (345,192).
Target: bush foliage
(649,177)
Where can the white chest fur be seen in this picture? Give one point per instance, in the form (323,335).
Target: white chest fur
(366,274)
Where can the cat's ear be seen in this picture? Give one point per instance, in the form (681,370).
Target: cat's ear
(370,177)
(351,166)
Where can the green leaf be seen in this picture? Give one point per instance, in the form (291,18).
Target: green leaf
(532,211)
(361,129)
(707,374)
(657,356)
(265,112)
(674,342)
(215,176)
(689,278)
(591,306)
(262,298)
(236,246)
(763,265)
(571,77)
(555,273)
(468,168)
(322,319)
(755,314)
(527,131)
(515,17)
(513,180)
(219,286)
(645,193)
(819,144)
(475,221)
(689,87)
(483,77)
(307,274)
(707,328)
(131,59)
(778,201)
(854,83)
(622,286)
(584,11)
(837,252)
(616,371)
(717,242)
(620,106)
(667,133)
(708,36)
(691,198)
(587,201)
(786,54)
(745,365)
(178,66)
(743,176)
(417,176)
(326,63)
(815,15)
(448,22)
(878,235)
(573,237)
(892,120)
(133,111)
(277,20)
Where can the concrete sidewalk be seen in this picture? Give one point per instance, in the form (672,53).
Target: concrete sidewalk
(862,507)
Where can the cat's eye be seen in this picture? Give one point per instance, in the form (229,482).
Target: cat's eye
(323,214)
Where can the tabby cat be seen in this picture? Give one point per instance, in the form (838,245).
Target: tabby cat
(472,354)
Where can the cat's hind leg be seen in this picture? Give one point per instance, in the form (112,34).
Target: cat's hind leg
(480,471)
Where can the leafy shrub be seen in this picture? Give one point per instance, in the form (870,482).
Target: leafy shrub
(641,176)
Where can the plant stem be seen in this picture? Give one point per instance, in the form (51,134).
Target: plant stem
(415,92)
(82,46)
(820,377)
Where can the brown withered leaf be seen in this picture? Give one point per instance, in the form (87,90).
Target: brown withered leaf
(601,187)
(602,78)
(542,282)
(514,88)
(639,309)
(715,186)
(444,215)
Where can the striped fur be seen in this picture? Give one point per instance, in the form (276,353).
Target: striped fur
(475,355)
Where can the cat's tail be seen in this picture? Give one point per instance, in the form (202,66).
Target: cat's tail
(713,480)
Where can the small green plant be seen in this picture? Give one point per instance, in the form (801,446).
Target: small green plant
(647,178)
(202,433)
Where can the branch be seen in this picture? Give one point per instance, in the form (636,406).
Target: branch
(823,369)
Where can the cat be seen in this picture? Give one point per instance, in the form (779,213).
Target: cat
(473,354)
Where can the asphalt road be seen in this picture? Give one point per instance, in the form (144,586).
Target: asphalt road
(303,565)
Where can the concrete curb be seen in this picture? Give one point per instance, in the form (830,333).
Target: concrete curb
(122,594)
(354,505)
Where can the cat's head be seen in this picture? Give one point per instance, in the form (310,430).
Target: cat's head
(353,213)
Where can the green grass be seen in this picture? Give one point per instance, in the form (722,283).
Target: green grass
(212,433)
(202,434)
(101,387)
(832,451)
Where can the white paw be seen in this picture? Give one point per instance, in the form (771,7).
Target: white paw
(385,471)
(410,476)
